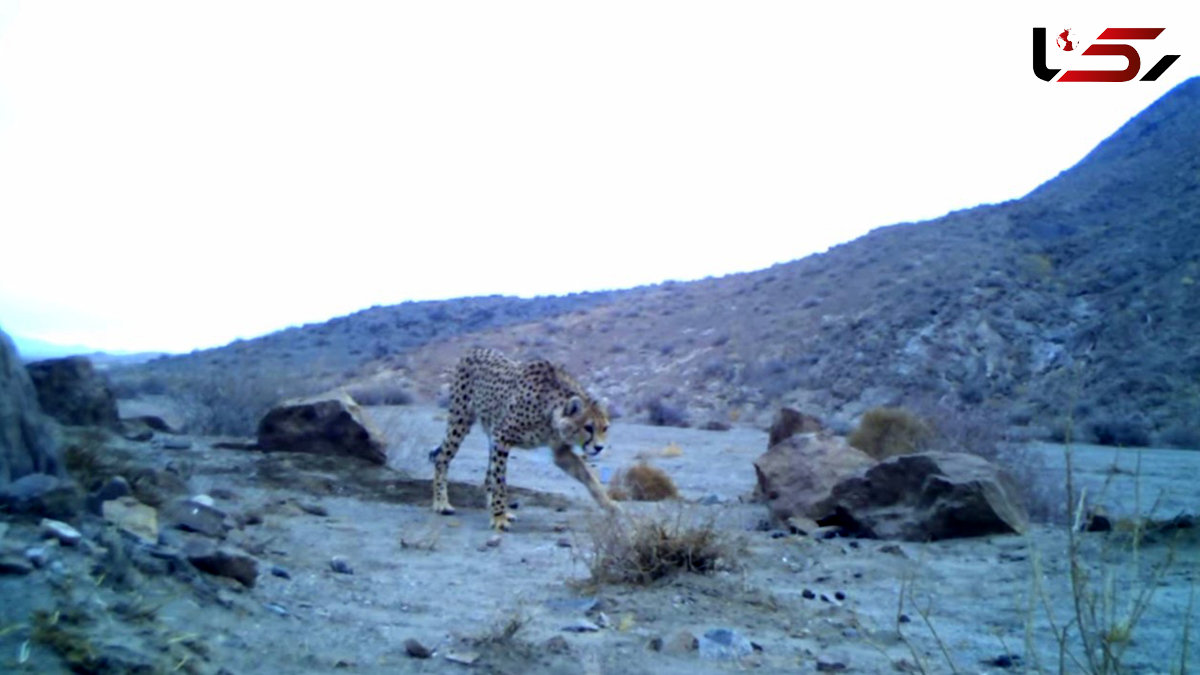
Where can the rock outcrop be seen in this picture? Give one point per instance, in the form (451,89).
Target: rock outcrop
(789,422)
(925,497)
(28,444)
(328,425)
(71,391)
(793,476)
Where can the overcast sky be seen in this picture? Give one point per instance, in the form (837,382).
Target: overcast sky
(176,175)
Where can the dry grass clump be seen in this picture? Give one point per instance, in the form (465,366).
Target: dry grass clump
(643,483)
(641,550)
(886,432)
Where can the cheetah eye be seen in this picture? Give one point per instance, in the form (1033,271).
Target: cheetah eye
(589,428)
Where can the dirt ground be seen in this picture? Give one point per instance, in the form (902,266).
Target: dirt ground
(522,602)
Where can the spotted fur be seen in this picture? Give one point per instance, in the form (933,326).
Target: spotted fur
(519,405)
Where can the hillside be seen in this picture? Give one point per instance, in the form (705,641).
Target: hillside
(1073,307)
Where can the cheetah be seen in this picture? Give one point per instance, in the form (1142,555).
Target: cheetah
(520,405)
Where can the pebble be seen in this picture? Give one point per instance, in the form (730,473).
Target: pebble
(37,556)
(64,533)
(278,609)
(724,644)
(682,642)
(203,500)
(581,626)
(313,509)
(464,658)
(830,666)
(280,572)
(10,564)
(417,650)
(340,565)
(563,542)
(808,594)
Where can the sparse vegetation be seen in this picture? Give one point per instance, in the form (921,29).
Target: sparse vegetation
(663,414)
(642,549)
(644,483)
(886,432)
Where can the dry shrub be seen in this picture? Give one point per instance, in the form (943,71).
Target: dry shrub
(643,549)
(642,483)
(886,432)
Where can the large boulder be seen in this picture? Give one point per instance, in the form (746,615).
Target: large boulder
(789,422)
(925,497)
(328,425)
(71,391)
(793,476)
(28,444)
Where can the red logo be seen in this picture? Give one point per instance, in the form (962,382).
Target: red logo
(1068,41)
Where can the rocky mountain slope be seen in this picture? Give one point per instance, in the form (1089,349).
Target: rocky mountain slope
(1072,309)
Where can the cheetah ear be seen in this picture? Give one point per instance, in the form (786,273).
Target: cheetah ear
(573,407)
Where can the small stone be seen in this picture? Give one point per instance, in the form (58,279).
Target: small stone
(37,556)
(581,626)
(464,658)
(560,527)
(808,594)
(493,541)
(827,532)
(1005,661)
(11,564)
(282,573)
(417,650)
(64,533)
(558,645)
(655,644)
(176,444)
(904,618)
(313,509)
(839,595)
(132,516)
(222,562)
(203,500)
(710,500)
(831,599)
(191,515)
(801,525)
(830,666)
(724,644)
(278,609)
(340,565)
(681,643)
(563,542)
(893,549)
(514,505)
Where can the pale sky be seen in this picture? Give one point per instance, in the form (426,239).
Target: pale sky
(177,175)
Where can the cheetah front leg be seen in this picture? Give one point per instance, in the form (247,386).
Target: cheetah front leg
(456,430)
(568,461)
(497,487)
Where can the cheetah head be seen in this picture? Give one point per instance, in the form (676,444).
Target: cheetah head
(584,423)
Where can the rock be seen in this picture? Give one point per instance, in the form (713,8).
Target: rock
(827,664)
(280,572)
(115,488)
(313,509)
(789,422)
(73,392)
(340,565)
(11,564)
(192,515)
(724,644)
(681,643)
(557,645)
(42,495)
(38,556)
(925,497)
(417,650)
(132,516)
(28,440)
(801,525)
(581,626)
(329,425)
(462,658)
(798,473)
(222,562)
(64,533)
(1097,520)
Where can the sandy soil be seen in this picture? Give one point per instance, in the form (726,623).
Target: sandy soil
(524,604)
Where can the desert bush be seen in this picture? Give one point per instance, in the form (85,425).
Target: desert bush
(886,432)
(228,404)
(644,483)
(380,393)
(663,414)
(1180,436)
(1121,433)
(641,550)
